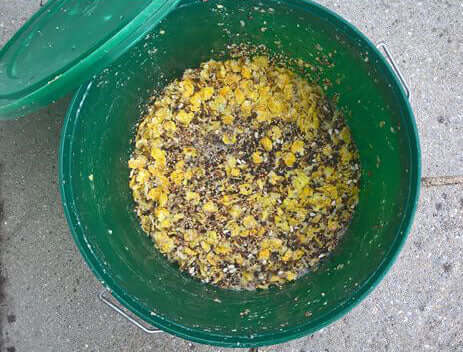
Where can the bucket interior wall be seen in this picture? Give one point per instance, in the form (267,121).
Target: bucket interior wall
(97,141)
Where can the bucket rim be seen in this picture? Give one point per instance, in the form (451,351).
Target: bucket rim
(264,339)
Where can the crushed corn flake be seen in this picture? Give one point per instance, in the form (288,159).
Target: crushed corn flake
(243,174)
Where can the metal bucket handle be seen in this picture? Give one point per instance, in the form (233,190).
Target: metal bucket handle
(383,47)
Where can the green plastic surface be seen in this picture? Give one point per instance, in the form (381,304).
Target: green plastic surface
(67,42)
(96,141)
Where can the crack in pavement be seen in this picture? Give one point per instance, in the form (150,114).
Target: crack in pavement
(442,181)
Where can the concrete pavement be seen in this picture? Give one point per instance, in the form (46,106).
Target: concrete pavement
(49,297)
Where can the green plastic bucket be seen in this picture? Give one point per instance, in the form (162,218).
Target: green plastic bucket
(96,145)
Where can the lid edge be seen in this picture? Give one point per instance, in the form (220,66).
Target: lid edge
(83,70)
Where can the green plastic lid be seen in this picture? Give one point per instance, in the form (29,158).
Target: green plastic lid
(65,43)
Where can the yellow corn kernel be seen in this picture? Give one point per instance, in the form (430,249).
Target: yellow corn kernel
(238,259)
(228,119)
(246,108)
(222,249)
(177,177)
(247,276)
(234,65)
(249,222)
(224,91)
(281,223)
(162,213)
(327,150)
(195,102)
(206,246)
(231,161)
(228,199)
(207,92)
(190,236)
(188,88)
(263,115)
(212,237)
(261,61)
(291,276)
(297,147)
(234,228)
(345,154)
(185,117)
(266,143)
(287,256)
(245,189)
(227,139)
(164,242)
(257,158)
(193,197)
(275,244)
(154,193)
(274,133)
(162,180)
(264,254)
(275,106)
(244,233)
(211,258)
(169,126)
(274,178)
(345,135)
(239,96)
(188,175)
(235,172)
(300,181)
(177,217)
(189,252)
(246,72)
(180,164)
(210,207)
(235,211)
(159,156)
(138,163)
(298,254)
(163,198)
(164,224)
(332,225)
(289,159)
(162,114)
(261,231)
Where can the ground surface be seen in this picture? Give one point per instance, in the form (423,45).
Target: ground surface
(49,297)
